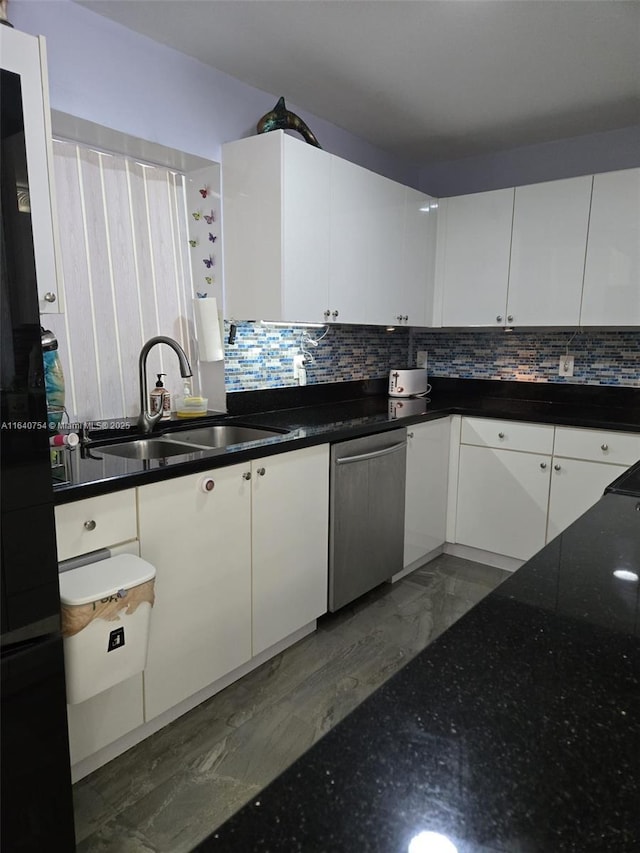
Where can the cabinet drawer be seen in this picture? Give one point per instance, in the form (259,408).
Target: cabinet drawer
(594,445)
(508,435)
(95,523)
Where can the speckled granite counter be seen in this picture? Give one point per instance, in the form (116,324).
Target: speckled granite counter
(336,412)
(517,730)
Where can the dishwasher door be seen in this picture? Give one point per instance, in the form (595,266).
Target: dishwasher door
(366,527)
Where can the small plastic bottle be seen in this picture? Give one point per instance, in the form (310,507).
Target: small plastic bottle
(156,398)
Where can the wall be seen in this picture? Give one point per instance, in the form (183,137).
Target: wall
(262,356)
(563,158)
(105,73)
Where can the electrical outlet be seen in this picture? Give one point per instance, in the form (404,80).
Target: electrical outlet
(421,358)
(566,365)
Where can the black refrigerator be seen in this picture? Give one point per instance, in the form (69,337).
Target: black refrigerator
(36,809)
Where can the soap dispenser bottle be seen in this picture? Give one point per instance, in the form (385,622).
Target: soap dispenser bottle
(156,399)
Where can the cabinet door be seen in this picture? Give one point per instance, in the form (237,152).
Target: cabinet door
(384,298)
(290,535)
(426,489)
(475,232)
(23,56)
(305,230)
(199,543)
(419,258)
(575,487)
(611,294)
(502,500)
(352,221)
(547,253)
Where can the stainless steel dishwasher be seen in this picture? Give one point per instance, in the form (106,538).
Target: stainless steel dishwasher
(366,526)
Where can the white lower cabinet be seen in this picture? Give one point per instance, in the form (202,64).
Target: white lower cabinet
(502,500)
(585,462)
(426,489)
(200,543)
(239,567)
(290,524)
(575,486)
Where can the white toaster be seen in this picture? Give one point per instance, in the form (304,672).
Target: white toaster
(408,382)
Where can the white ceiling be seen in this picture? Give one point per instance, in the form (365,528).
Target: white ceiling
(426,79)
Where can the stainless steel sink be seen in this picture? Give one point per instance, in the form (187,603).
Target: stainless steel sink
(222,436)
(148,448)
(187,441)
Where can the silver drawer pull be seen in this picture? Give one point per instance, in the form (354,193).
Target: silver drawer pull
(361,457)
(261,472)
(499,318)
(557,467)
(604,447)
(409,435)
(90,525)
(500,435)
(246,475)
(49,297)
(543,465)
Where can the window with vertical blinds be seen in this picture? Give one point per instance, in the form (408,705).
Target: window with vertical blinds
(126,276)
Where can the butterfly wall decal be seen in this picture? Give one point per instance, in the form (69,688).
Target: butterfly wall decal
(208,279)
(194,243)
(208,262)
(204,192)
(213,237)
(210,219)
(197,215)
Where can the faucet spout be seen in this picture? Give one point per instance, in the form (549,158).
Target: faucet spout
(147,421)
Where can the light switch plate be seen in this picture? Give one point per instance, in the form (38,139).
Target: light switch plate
(566,365)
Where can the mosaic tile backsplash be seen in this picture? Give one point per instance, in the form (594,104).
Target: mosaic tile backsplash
(262,356)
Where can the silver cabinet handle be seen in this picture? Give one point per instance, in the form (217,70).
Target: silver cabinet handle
(499,318)
(90,525)
(261,472)
(604,447)
(510,317)
(406,318)
(500,435)
(335,313)
(327,313)
(399,318)
(49,297)
(557,467)
(543,465)
(246,475)
(409,435)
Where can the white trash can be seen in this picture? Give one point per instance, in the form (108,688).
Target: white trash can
(106,607)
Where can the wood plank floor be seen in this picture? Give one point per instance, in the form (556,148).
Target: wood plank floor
(173,789)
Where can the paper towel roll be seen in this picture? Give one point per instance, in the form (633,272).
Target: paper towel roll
(208,329)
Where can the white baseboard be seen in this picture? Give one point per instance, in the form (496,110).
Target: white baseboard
(477,555)
(418,563)
(113,750)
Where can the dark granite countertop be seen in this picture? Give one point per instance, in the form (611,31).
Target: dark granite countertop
(336,412)
(517,730)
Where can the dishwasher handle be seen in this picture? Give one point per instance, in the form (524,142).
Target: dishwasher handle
(374,454)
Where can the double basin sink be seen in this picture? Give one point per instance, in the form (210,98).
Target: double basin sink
(186,441)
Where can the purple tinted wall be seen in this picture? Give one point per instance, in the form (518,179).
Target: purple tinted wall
(105,73)
(564,158)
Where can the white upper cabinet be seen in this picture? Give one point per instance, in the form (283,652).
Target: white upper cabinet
(474,236)
(352,220)
(275,195)
(310,236)
(611,295)
(24,57)
(547,253)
